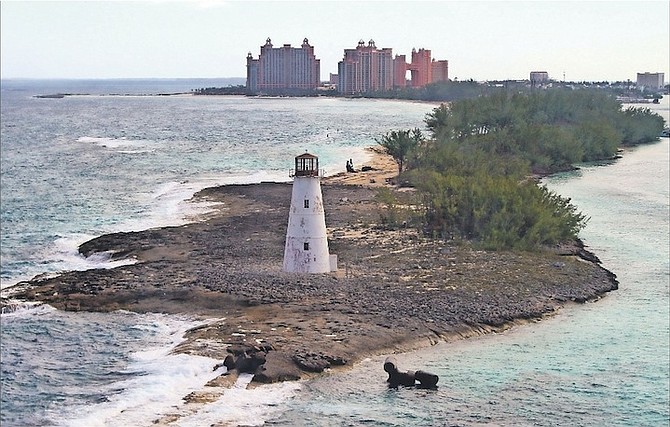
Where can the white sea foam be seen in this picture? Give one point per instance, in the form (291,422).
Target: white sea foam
(171,203)
(242,406)
(66,250)
(158,380)
(16,308)
(157,383)
(63,255)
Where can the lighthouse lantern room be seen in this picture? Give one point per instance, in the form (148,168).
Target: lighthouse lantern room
(306,249)
(306,165)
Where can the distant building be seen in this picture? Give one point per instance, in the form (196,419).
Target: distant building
(285,68)
(651,80)
(440,70)
(367,69)
(400,71)
(421,68)
(538,78)
(334,79)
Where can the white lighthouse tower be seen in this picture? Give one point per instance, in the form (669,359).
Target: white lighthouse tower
(306,249)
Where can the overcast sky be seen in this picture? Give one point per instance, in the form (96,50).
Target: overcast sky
(483,40)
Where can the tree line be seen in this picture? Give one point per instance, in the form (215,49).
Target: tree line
(472,170)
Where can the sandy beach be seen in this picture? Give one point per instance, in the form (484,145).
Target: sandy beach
(395,290)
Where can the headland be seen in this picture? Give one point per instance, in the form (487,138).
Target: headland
(395,290)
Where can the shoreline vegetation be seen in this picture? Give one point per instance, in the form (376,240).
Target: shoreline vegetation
(438,239)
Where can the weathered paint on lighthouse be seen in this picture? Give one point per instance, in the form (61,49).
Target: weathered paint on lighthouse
(306,249)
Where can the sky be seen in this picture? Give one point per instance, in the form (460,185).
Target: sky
(482,40)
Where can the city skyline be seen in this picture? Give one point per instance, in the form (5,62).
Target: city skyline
(284,68)
(482,40)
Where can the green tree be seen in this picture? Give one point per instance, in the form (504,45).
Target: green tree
(399,144)
(551,129)
(437,121)
(497,212)
(472,175)
(640,125)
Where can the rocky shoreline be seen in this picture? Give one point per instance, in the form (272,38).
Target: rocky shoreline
(395,290)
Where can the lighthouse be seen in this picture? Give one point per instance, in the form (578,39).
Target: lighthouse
(306,249)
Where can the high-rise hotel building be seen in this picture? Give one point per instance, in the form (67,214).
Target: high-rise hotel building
(365,69)
(291,70)
(285,68)
(368,69)
(421,68)
(440,70)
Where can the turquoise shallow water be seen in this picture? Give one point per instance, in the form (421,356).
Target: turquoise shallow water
(602,363)
(77,167)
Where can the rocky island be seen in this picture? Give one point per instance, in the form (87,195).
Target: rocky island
(395,289)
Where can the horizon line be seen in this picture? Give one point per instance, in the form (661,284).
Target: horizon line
(244,78)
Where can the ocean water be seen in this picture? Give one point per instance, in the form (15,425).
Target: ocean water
(84,165)
(605,363)
(80,166)
(77,167)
